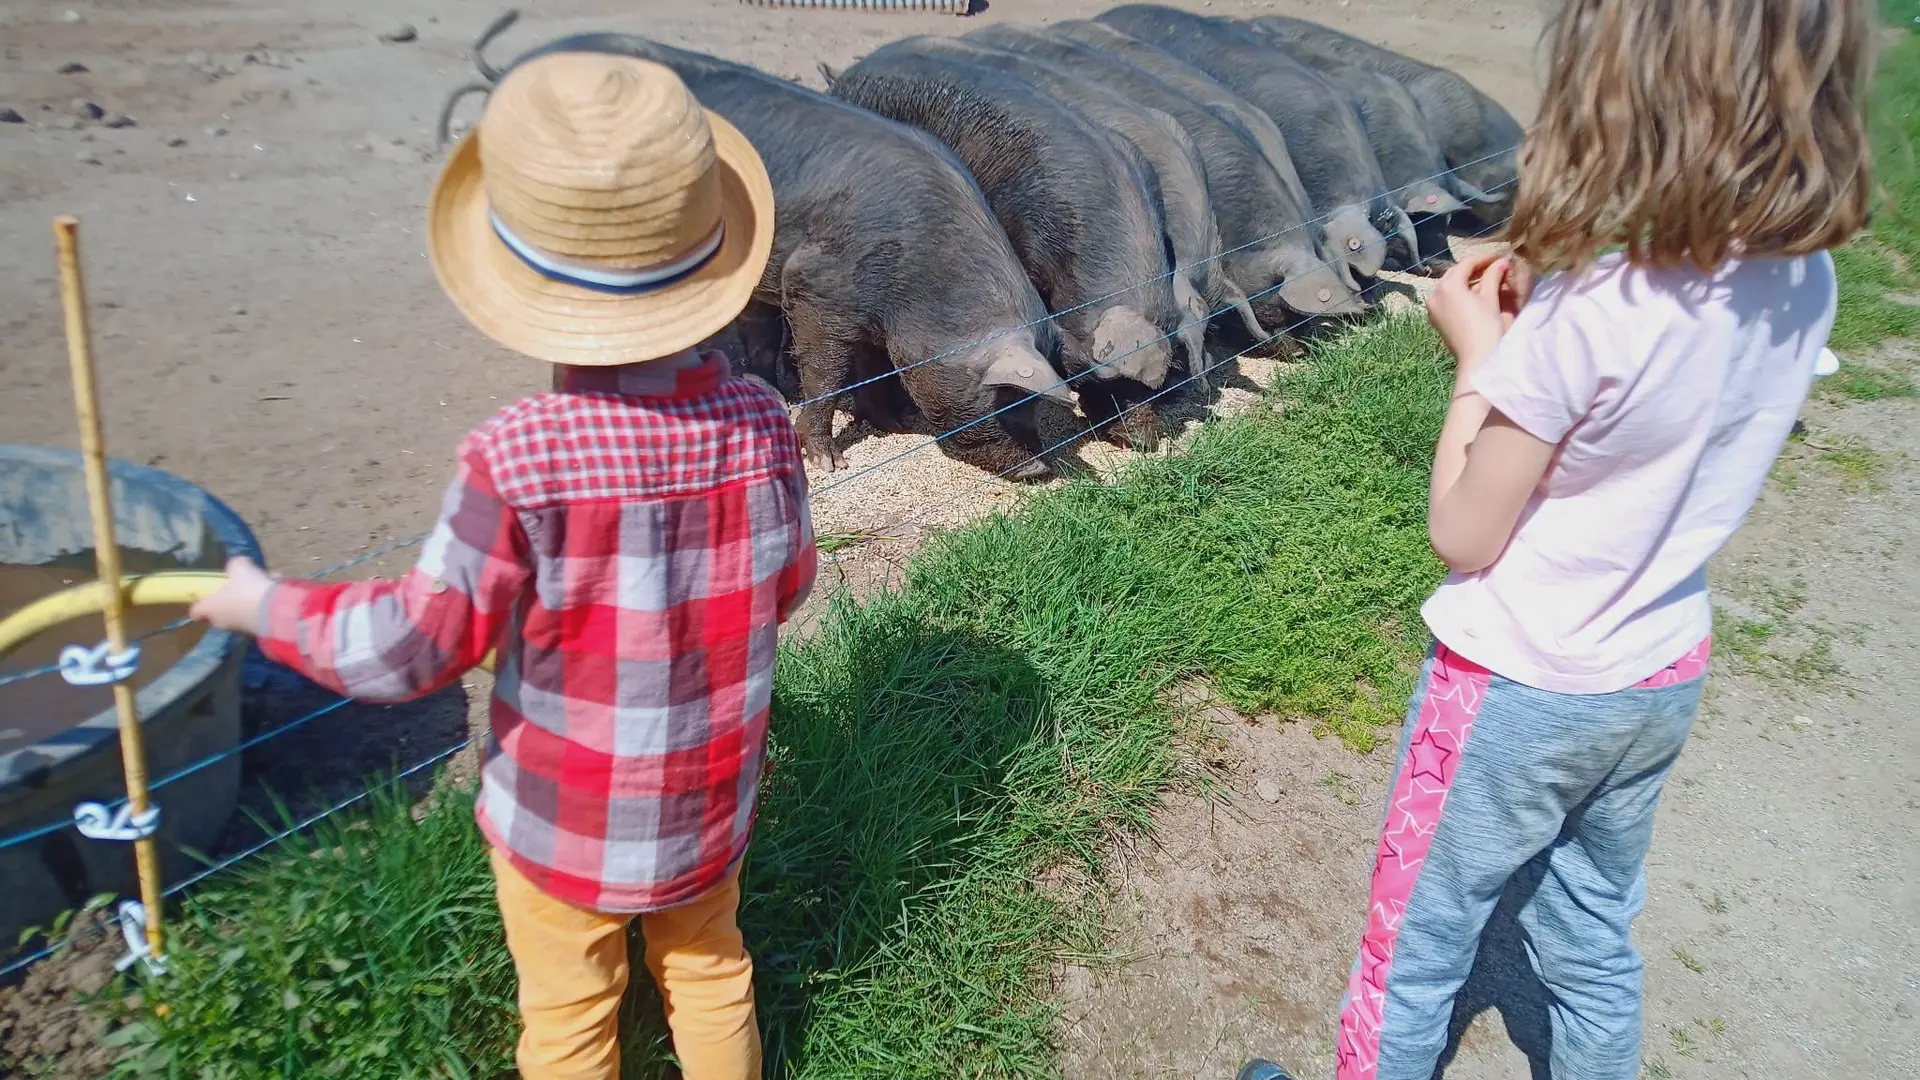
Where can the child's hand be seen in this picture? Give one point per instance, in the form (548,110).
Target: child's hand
(1516,290)
(1471,309)
(235,606)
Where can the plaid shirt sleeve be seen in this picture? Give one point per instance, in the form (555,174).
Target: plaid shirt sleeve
(395,640)
(797,579)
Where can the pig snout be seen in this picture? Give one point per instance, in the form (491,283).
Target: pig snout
(1352,237)
(1319,290)
(1428,199)
(1126,345)
(1018,368)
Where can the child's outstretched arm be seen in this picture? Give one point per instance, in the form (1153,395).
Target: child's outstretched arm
(387,640)
(1484,466)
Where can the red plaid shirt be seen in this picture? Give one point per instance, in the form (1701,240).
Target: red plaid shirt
(630,544)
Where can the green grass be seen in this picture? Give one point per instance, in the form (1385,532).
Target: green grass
(368,947)
(1689,961)
(1880,271)
(1775,643)
(938,750)
(1860,468)
(1856,381)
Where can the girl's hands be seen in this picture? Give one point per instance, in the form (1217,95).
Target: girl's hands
(1474,305)
(236,605)
(1516,290)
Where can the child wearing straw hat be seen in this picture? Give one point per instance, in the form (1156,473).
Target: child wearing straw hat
(629,543)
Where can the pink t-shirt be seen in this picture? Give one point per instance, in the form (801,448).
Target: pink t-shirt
(1669,394)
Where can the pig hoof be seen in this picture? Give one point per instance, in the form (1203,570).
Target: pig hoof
(1030,470)
(832,460)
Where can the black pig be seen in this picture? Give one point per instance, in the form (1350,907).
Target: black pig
(886,260)
(1075,201)
(1325,136)
(1479,138)
(1201,286)
(1271,253)
(1229,106)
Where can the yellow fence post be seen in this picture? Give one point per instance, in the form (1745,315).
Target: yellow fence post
(133,754)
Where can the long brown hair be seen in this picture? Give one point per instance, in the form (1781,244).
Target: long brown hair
(1688,129)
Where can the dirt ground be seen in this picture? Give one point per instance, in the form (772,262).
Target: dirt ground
(268,327)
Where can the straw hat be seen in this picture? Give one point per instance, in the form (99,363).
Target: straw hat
(598,215)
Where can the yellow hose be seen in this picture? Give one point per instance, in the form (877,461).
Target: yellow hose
(177,587)
(140,590)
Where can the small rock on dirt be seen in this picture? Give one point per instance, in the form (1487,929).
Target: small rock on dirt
(237,309)
(1268,790)
(74,67)
(400,35)
(11,116)
(216,132)
(87,157)
(176,142)
(87,110)
(71,16)
(121,121)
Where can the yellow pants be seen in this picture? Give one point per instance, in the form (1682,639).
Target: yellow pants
(572,965)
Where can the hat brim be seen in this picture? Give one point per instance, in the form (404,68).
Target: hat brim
(562,323)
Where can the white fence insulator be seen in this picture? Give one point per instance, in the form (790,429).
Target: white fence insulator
(96,822)
(98,666)
(133,928)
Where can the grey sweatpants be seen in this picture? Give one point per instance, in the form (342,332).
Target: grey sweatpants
(1495,777)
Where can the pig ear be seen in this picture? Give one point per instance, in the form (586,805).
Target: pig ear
(1469,192)
(1193,321)
(1403,232)
(1238,298)
(1025,372)
(1195,312)
(1191,303)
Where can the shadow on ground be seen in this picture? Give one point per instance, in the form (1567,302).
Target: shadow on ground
(892,751)
(1503,982)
